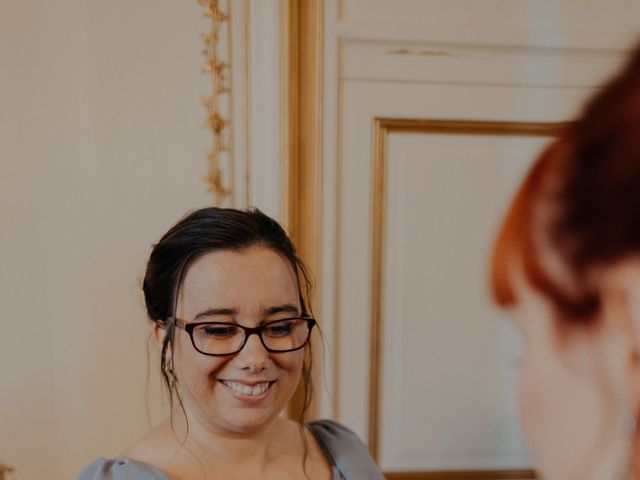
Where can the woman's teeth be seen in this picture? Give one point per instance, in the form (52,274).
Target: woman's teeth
(256,390)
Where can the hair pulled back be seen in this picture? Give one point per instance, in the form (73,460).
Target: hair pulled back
(590,179)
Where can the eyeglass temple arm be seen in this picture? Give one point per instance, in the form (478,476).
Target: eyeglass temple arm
(177,322)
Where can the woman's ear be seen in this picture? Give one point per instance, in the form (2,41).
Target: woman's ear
(620,299)
(620,296)
(159,333)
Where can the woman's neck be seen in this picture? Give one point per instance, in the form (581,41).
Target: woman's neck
(615,460)
(213,444)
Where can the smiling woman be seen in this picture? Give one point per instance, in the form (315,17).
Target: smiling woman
(224,291)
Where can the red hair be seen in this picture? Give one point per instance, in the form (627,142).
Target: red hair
(591,178)
(517,247)
(514,244)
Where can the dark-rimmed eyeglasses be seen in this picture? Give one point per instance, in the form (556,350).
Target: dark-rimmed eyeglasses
(223,338)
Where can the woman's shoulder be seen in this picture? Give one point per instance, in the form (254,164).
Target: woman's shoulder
(344,449)
(333,431)
(120,468)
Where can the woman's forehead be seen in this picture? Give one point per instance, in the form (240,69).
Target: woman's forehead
(232,278)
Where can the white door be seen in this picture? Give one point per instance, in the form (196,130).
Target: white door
(433,111)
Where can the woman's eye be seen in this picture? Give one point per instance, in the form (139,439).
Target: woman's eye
(219,330)
(279,329)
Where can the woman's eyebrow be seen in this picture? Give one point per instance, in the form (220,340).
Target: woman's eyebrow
(217,311)
(286,307)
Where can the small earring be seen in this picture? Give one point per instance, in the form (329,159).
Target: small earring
(628,423)
(635,356)
(168,371)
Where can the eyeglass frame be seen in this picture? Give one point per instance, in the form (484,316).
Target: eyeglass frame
(189,327)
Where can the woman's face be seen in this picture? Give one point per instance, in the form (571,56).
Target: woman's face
(249,287)
(567,402)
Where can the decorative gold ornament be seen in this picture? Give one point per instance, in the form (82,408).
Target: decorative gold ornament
(218,117)
(6,472)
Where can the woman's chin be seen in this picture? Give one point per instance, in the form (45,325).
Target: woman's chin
(249,424)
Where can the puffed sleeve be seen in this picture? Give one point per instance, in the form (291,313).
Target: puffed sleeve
(120,468)
(345,451)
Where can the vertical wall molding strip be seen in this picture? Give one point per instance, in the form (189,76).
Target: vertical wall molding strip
(302,54)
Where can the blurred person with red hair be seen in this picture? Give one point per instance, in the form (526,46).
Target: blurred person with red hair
(566,264)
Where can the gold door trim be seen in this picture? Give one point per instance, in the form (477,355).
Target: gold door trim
(382,127)
(463,475)
(302,53)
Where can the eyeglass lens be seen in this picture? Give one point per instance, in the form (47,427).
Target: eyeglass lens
(226,338)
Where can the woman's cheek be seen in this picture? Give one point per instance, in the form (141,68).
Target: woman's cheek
(548,420)
(530,403)
(538,410)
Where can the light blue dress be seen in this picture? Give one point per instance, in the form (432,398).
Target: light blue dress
(348,456)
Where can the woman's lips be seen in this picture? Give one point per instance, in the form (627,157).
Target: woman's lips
(252,393)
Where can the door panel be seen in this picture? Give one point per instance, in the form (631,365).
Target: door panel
(428,127)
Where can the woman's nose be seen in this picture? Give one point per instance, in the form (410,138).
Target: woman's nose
(253,356)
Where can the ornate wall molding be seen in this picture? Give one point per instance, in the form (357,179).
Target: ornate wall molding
(217,53)
(6,472)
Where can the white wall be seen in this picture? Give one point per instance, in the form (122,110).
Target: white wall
(101,150)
